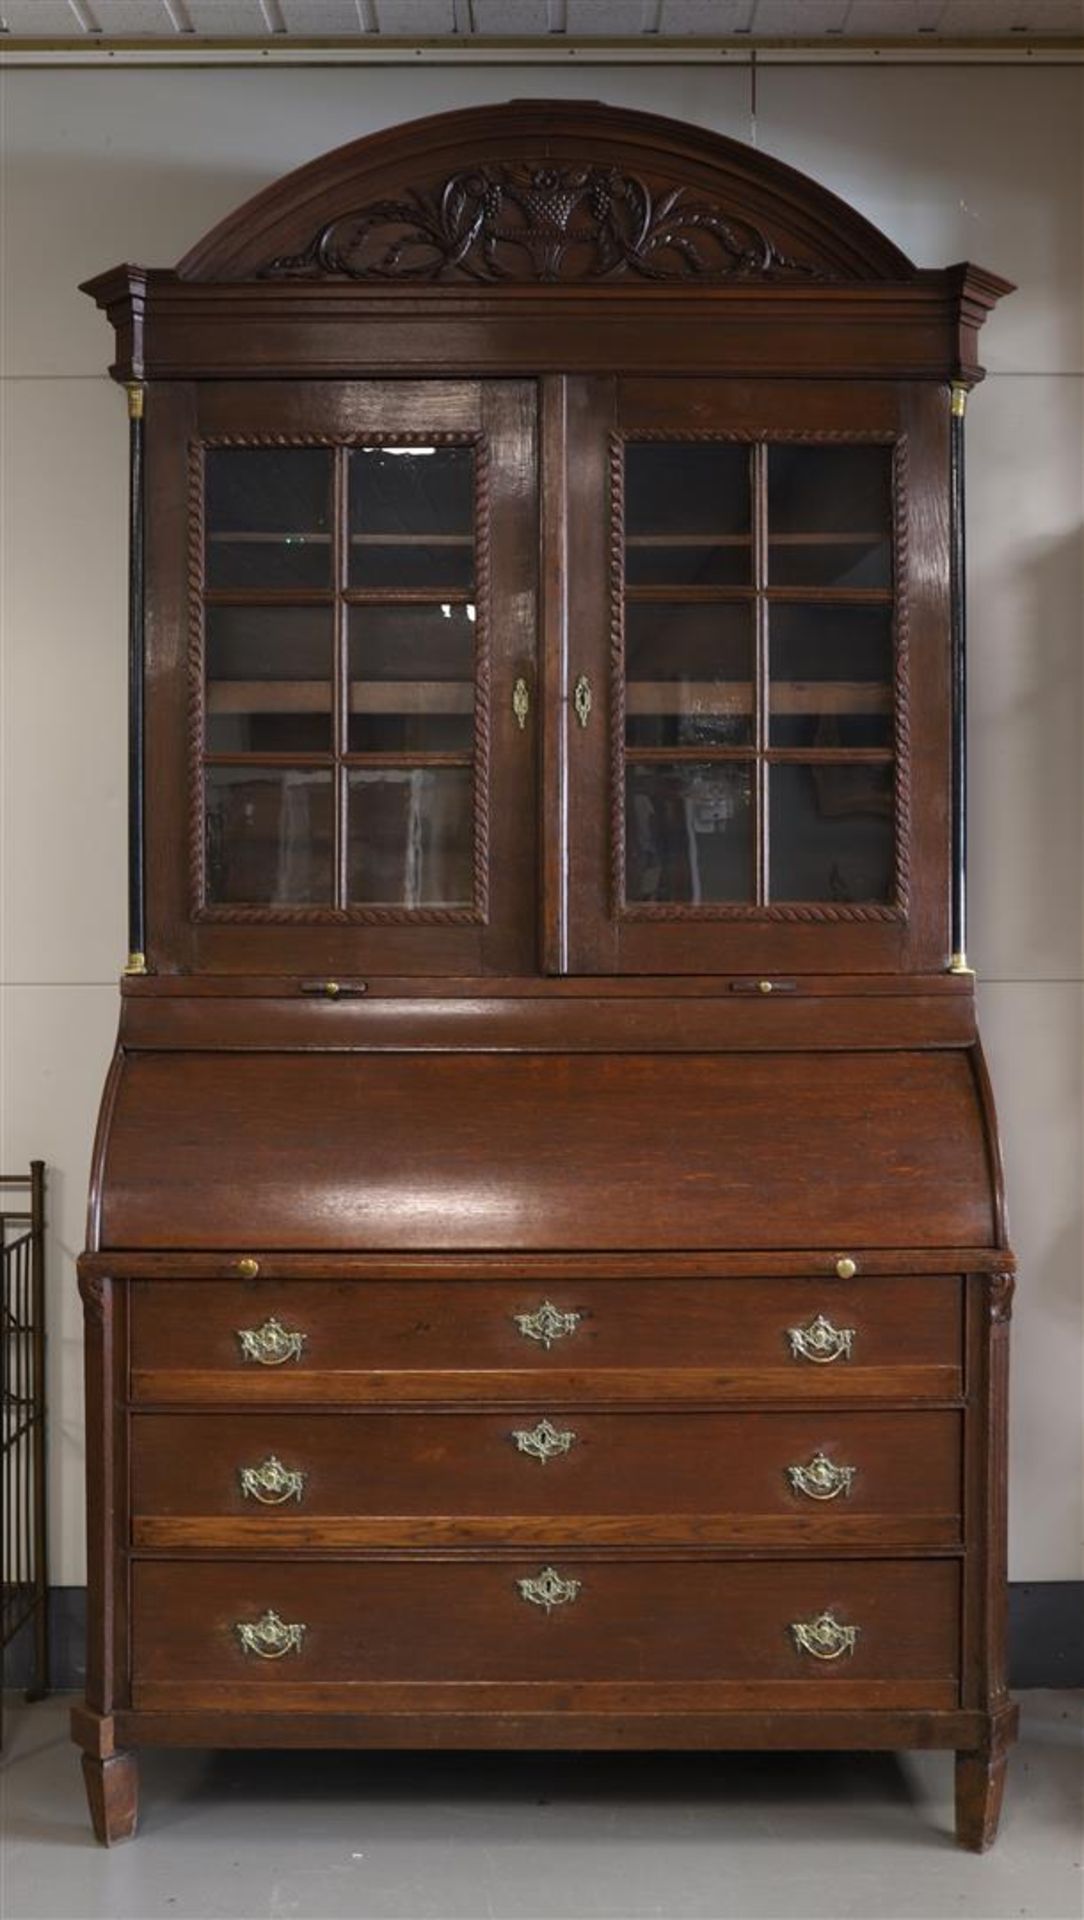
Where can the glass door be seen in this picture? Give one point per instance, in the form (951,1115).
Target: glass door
(776,665)
(359,620)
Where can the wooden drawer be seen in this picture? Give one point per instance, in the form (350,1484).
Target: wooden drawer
(365,1478)
(281,1342)
(444,1633)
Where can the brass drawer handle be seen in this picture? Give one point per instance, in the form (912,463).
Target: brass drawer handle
(269,1637)
(270,1345)
(821,1341)
(545,1441)
(271,1483)
(547,1324)
(582,699)
(821,1479)
(826,1638)
(521,703)
(548,1590)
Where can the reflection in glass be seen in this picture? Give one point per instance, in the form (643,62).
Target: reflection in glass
(689,674)
(688,831)
(687,513)
(832,835)
(831,675)
(268,836)
(412,517)
(411,678)
(267,516)
(268,679)
(829,516)
(411,836)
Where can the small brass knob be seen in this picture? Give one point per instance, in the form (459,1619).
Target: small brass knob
(765,986)
(846,1268)
(248,1268)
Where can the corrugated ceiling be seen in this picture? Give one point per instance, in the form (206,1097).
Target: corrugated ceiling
(275,22)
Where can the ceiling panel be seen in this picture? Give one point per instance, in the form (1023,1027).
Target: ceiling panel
(808,19)
(134,16)
(709,19)
(40,17)
(548,21)
(230,19)
(1006,16)
(891,19)
(587,19)
(338,17)
(410,19)
(498,17)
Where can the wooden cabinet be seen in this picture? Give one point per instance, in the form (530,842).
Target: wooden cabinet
(547,1280)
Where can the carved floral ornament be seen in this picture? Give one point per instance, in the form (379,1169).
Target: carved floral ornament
(543,221)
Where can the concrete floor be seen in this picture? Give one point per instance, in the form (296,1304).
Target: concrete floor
(245,1836)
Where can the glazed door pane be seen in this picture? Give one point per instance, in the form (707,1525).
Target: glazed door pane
(411,677)
(356,609)
(267,516)
(269,678)
(411,516)
(757,694)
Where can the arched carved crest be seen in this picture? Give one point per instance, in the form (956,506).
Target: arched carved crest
(547,192)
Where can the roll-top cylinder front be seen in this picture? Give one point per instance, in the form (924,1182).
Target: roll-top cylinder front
(466,1152)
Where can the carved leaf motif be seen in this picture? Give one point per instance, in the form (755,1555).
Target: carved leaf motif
(545,222)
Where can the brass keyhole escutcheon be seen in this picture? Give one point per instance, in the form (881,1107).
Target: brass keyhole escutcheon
(582,699)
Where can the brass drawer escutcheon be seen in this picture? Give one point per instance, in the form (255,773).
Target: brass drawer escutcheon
(582,699)
(271,1345)
(271,1483)
(545,1441)
(821,1341)
(821,1479)
(826,1638)
(547,1324)
(548,1590)
(269,1637)
(521,703)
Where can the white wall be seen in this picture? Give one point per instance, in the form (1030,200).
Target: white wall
(957,163)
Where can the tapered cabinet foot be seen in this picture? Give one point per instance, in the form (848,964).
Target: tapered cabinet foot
(980,1784)
(112,1796)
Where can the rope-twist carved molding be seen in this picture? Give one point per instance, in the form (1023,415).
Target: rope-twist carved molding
(902,675)
(545,221)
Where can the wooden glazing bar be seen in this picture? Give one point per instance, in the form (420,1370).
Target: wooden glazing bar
(271,596)
(360,696)
(819,756)
(457,596)
(255,760)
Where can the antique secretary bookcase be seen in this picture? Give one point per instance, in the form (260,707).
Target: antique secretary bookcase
(547,1279)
